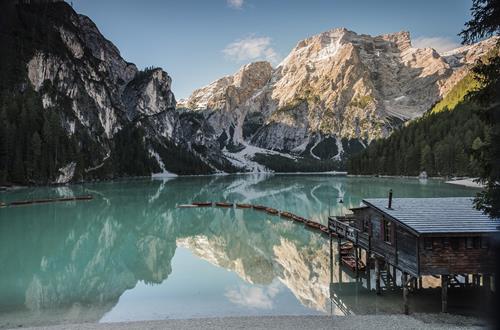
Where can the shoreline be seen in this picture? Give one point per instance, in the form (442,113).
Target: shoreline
(390,321)
(465,181)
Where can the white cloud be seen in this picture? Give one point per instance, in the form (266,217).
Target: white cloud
(441,44)
(236,4)
(251,48)
(254,297)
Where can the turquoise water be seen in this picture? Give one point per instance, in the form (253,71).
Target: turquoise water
(131,254)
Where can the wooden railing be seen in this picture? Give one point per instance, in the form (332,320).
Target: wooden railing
(342,227)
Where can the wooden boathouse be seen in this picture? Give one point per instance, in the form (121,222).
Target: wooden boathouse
(440,237)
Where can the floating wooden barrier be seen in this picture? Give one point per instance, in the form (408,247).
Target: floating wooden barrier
(224,204)
(324,229)
(51,200)
(312,224)
(350,262)
(243,206)
(272,211)
(202,204)
(287,215)
(260,207)
(298,219)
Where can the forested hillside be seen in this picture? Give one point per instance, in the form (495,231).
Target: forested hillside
(442,142)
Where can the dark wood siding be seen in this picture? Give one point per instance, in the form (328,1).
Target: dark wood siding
(443,258)
(407,250)
(380,247)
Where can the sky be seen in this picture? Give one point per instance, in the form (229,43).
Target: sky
(199,41)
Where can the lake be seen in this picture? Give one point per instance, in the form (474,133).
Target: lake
(131,254)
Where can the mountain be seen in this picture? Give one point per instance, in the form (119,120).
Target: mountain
(72,109)
(331,96)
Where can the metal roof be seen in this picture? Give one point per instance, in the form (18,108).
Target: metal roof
(437,215)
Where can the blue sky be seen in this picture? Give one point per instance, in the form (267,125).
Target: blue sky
(198,41)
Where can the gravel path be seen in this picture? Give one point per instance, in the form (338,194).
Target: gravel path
(381,322)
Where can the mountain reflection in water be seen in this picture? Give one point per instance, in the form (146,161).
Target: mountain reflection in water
(71,262)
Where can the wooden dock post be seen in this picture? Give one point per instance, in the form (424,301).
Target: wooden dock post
(444,293)
(377,276)
(331,258)
(356,256)
(404,280)
(338,247)
(420,282)
(487,283)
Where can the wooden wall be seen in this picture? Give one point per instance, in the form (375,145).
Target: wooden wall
(444,259)
(407,250)
(402,252)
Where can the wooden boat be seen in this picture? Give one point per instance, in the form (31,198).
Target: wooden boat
(287,215)
(298,218)
(202,204)
(324,229)
(350,262)
(84,197)
(260,207)
(346,248)
(66,199)
(243,206)
(272,211)
(224,204)
(311,224)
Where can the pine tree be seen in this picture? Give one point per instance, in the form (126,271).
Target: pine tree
(485,22)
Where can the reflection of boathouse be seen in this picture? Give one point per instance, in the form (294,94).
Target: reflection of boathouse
(443,237)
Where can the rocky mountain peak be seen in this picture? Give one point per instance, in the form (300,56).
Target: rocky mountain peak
(230,91)
(401,39)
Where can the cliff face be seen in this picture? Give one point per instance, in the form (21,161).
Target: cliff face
(333,90)
(122,121)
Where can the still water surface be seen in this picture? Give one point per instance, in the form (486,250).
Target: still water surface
(131,254)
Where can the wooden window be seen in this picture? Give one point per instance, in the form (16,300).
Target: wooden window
(428,243)
(366,224)
(484,242)
(469,243)
(455,243)
(387,231)
(477,242)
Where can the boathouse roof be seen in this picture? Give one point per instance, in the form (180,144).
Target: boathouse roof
(437,215)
